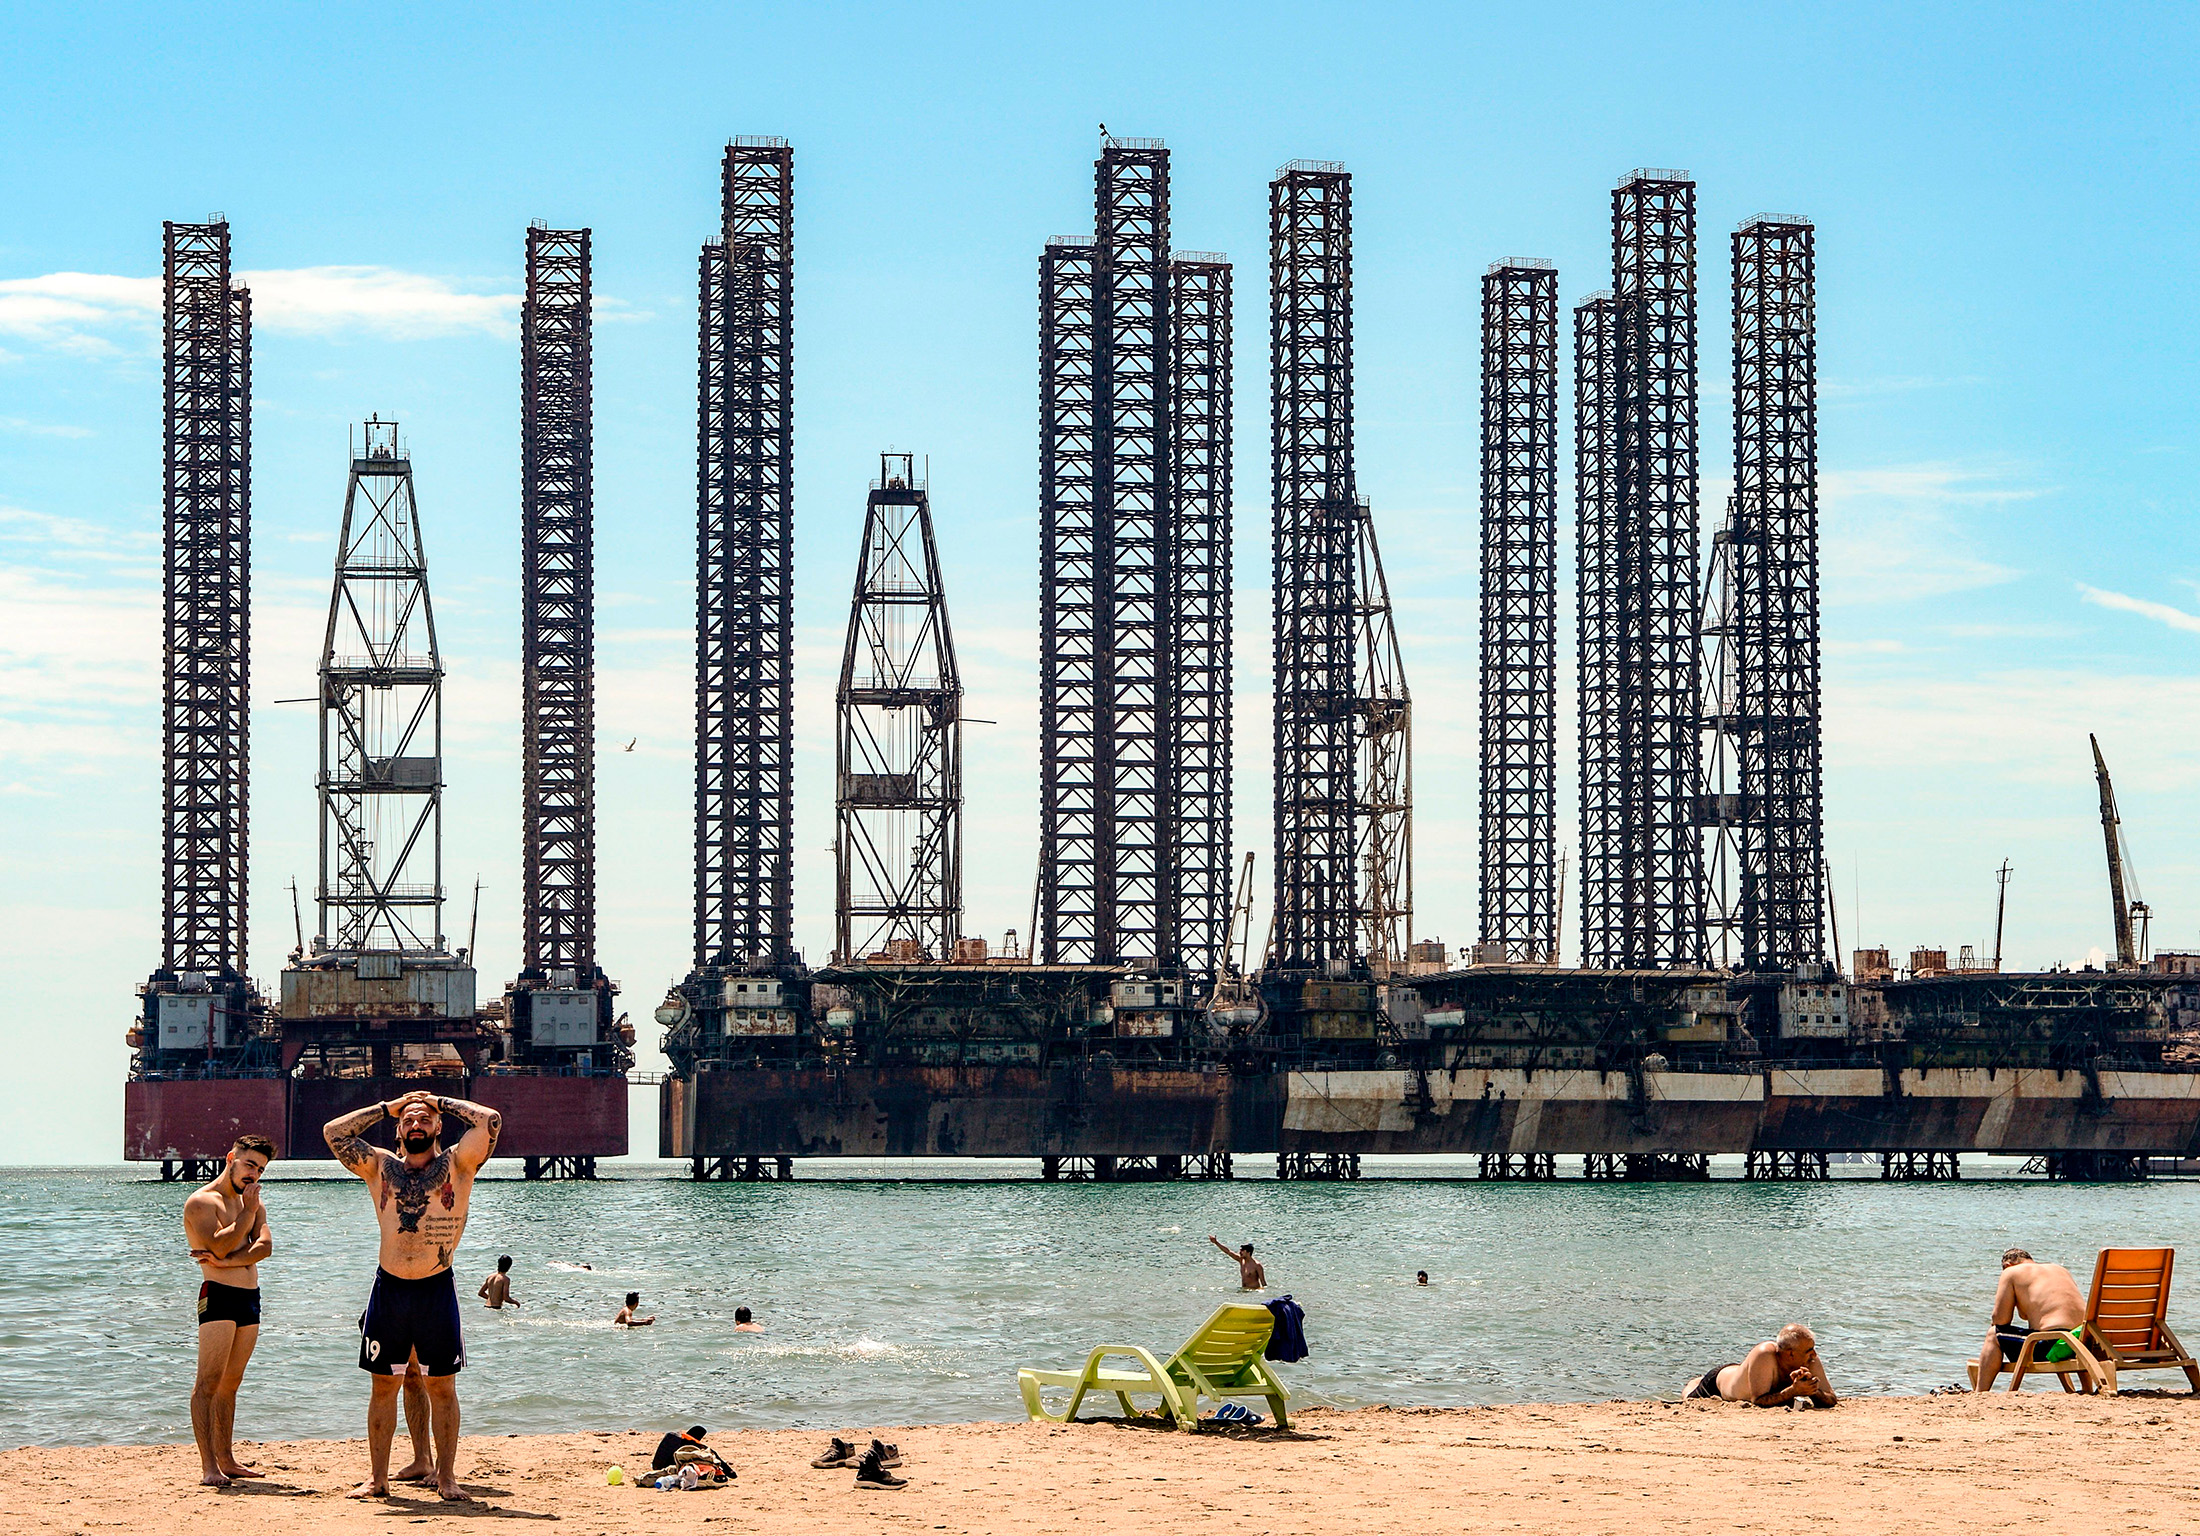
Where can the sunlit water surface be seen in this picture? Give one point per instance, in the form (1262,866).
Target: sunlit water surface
(888,1299)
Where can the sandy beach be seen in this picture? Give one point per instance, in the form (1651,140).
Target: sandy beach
(1912,1465)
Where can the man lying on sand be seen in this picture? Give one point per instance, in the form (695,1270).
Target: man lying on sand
(421,1194)
(2047,1297)
(226,1227)
(1775,1372)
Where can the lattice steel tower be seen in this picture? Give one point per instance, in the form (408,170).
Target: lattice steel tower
(1519,609)
(381,784)
(744,699)
(1197,804)
(1384,769)
(1310,394)
(1598,631)
(1774,553)
(898,841)
(1134,584)
(1660,911)
(557,608)
(207,569)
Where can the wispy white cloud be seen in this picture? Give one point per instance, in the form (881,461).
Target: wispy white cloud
(2161,613)
(1833,390)
(322,300)
(1902,533)
(86,312)
(28,428)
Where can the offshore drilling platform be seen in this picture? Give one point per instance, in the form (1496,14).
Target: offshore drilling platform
(376,999)
(1136,1031)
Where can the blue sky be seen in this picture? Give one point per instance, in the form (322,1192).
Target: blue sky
(2008,356)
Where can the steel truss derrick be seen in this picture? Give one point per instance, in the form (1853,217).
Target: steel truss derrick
(1135,361)
(1774,555)
(1384,860)
(1196,809)
(1719,801)
(1069,610)
(898,842)
(381,722)
(744,789)
(1310,392)
(1598,629)
(1132,504)
(557,607)
(1654,282)
(1519,609)
(207,566)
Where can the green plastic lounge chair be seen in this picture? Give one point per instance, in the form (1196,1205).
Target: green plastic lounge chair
(1221,1360)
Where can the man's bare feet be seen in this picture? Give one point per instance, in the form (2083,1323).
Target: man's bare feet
(213,1479)
(239,1469)
(451,1493)
(416,1472)
(370,1491)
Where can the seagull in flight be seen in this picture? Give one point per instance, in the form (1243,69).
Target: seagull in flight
(630,745)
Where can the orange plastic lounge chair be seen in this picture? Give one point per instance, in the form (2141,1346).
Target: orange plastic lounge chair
(2126,1326)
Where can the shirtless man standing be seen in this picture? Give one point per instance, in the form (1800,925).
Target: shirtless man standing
(1775,1372)
(226,1228)
(1251,1276)
(420,1198)
(2049,1300)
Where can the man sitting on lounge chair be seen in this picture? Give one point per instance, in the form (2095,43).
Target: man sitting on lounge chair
(1775,1372)
(2048,1298)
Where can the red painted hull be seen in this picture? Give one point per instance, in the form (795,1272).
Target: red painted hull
(543,1116)
(168,1122)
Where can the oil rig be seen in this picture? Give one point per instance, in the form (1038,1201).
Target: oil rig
(1136,1031)
(376,1001)
(1137,1035)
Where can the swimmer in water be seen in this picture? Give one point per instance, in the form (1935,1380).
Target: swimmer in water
(497,1289)
(1251,1276)
(626,1317)
(744,1321)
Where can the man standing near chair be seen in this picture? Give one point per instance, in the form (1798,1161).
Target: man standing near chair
(421,1193)
(2049,1301)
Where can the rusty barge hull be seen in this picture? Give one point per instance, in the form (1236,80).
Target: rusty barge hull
(986,1111)
(1096,1110)
(183,1118)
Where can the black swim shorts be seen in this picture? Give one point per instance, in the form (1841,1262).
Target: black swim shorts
(2012,1337)
(405,1318)
(237,1304)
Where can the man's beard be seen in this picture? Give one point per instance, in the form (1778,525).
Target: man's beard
(418,1141)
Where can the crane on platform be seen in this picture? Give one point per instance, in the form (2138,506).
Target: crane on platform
(2127,908)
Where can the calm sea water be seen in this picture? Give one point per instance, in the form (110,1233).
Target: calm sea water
(891,1298)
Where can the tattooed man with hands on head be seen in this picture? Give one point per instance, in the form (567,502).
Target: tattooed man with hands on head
(420,1195)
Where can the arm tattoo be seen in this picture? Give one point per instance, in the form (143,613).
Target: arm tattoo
(479,1116)
(352,1152)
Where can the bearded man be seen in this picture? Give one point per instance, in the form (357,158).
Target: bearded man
(420,1195)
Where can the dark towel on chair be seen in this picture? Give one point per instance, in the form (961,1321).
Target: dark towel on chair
(1288,1340)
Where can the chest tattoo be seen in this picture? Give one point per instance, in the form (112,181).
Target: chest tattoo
(415,1189)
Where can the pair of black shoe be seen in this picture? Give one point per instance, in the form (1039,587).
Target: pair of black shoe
(871,1465)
